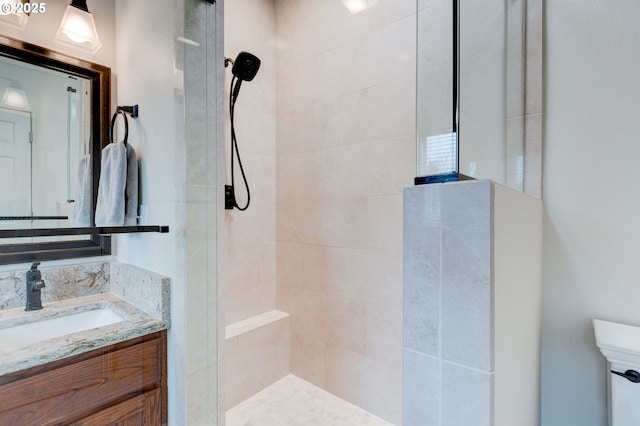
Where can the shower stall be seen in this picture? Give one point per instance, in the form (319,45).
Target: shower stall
(328,132)
(313,269)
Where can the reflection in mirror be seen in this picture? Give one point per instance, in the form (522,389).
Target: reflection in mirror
(44,132)
(55,114)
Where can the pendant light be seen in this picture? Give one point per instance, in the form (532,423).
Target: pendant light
(78,28)
(15,97)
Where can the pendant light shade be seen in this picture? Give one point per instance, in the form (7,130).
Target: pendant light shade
(15,97)
(78,28)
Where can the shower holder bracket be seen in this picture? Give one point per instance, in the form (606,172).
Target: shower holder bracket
(228,197)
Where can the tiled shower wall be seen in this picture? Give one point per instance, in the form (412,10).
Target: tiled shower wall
(345,149)
(472,297)
(250,246)
(326,187)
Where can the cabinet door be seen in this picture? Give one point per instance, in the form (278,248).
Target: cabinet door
(69,392)
(143,410)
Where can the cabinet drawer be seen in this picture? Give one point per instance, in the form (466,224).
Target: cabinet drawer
(77,390)
(140,410)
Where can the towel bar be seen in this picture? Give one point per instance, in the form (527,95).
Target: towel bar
(123,110)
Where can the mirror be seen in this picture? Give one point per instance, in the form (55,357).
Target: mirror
(44,134)
(42,140)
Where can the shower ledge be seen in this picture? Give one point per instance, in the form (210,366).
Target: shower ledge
(244,326)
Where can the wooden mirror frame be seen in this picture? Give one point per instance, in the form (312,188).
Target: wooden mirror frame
(100,83)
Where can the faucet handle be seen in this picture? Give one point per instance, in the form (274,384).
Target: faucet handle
(38,285)
(34,275)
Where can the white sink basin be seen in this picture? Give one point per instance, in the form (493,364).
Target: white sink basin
(26,334)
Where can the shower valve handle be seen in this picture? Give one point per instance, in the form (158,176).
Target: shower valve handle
(631,375)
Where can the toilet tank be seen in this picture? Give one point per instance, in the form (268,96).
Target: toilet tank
(620,344)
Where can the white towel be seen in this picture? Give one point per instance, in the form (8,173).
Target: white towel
(84,193)
(111,187)
(131,210)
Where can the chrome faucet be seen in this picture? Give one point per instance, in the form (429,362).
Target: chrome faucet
(35,284)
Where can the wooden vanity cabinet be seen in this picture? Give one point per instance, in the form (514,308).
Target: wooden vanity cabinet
(122,384)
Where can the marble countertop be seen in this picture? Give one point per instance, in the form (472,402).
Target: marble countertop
(136,323)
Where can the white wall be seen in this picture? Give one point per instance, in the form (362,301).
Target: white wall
(145,76)
(592,199)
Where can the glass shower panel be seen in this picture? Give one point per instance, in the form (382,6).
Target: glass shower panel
(470,91)
(437,146)
(491,85)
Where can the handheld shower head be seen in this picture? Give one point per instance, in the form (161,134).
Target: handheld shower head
(246,66)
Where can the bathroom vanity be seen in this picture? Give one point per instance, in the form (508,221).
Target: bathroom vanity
(122,384)
(94,355)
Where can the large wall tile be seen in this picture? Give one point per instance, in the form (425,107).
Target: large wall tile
(482,26)
(385,12)
(435,29)
(308,358)
(390,51)
(484,152)
(421,389)
(308,267)
(301,130)
(421,291)
(384,333)
(356,378)
(390,109)
(344,120)
(345,68)
(434,100)
(346,325)
(347,273)
(385,269)
(466,298)
(466,396)
(457,289)
(384,215)
(483,82)
(257,358)
(467,206)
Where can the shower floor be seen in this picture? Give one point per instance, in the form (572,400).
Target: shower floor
(292,401)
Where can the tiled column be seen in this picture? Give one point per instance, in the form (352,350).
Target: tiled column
(455,289)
